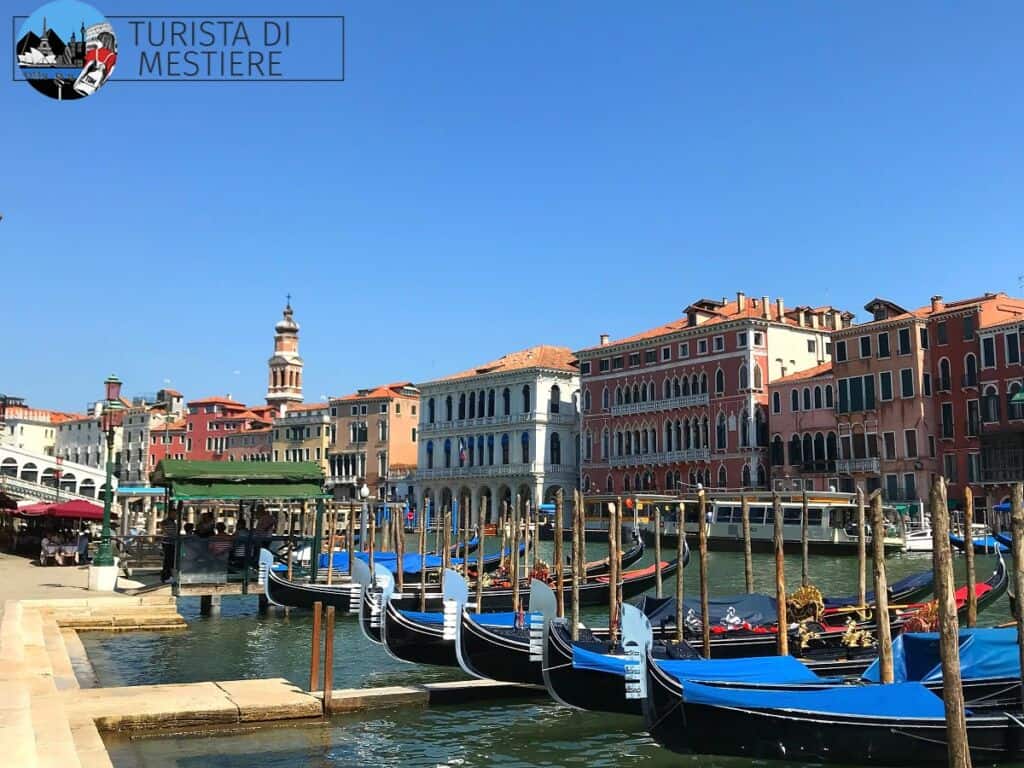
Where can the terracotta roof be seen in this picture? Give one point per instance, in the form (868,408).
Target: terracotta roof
(992,308)
(56,417)
(217,400)
(174,426)
(172,392)
(541,356)
(302,407)
(809,373)
(385,391)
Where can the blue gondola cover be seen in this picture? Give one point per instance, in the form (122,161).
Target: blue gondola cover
(496,619)
(984,653)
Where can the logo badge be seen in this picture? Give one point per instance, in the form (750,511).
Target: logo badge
(66,50)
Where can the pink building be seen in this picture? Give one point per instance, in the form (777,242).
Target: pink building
(805,438)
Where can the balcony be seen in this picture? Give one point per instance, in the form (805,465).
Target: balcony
(686,401)
(500,470)
(461,425)
(665,457)
(871,466)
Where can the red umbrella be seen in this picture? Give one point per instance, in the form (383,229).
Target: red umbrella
(34,510)
(76,508)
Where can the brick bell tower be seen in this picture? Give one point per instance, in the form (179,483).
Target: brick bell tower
(284,387)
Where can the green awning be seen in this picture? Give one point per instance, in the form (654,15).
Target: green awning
(1018,399)
(246,491)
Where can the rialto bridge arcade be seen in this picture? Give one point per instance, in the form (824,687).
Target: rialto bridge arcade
(30,475)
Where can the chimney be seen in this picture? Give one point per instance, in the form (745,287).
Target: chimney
(937,304)
(741,301)
(604,339)
(814,319)
(766,310)
(780,308)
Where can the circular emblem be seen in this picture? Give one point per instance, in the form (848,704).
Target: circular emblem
(66,50)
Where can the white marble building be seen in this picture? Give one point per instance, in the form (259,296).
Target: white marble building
(505,428)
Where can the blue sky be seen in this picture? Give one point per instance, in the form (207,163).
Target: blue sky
(497,175)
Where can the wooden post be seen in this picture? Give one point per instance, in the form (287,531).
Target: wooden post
(881,588)
(373,536)
(332,517)
(422,549)
(466,506)
(577,564)
(972,597)
(291,539)
(503,522)
(398,526)
(748,558)
(680,554)
(613,576)
(702,544)
(782,637)
(329,662)
(446,538)
(515,555)
(438,535)
(583,535)
(862,552)
(1017,528)
(658,589)
(559,559)
(528,554)
(805,569)
(618,560)
(949,631)
(350,521)
(314,656)
(482,551)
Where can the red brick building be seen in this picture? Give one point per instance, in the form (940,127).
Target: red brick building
(210,421)
(688,402)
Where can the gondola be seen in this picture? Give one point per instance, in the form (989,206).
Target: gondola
(411,563)
(983,545)
(546,532)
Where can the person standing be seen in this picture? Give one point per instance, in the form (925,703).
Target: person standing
(168,534)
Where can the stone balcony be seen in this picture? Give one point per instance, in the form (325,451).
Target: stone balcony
(664,457)
(854,466)
(686,401)
(499,470)
(463,425)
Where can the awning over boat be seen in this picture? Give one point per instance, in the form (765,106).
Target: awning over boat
(984,653)
(246,491)
(900,700)
(239,480)
(760,669)
(411,563)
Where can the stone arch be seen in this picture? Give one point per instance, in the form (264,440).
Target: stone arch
(49,477)
(29,472)
(9,467)
(87,488)
(68,482)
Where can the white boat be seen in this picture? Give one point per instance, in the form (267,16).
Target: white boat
(919,540)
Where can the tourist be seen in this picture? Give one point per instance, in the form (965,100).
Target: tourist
(168,535)
(83,544)
(220,542)
(239,545)
(190,528)
(206,526)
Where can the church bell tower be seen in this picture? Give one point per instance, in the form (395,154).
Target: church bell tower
(285,383)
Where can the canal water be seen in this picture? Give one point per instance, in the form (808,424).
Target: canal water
(242,644)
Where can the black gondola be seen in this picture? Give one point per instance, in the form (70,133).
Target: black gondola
(593,535)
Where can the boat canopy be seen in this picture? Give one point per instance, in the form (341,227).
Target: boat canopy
(411,563)
(902,700)
(984,653)
(912,583)
(239,480)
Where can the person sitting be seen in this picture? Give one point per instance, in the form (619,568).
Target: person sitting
(239,544)
(206,527)
(220,542)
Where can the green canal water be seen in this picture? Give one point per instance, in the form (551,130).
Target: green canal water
(242,644)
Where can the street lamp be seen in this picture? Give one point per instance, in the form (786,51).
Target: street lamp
(364,494)
(110,419)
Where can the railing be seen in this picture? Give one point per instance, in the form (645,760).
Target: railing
(19,487)
(849,466)
(502,470)
(685,401)
(665,457)
(541,417)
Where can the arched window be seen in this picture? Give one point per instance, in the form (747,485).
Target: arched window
(480,450)
(604,398)
(746,475)
(668,436)
(776,402)
(654,439)
(704,385)
(430,411)
(829,398)
(794,400)
(636,393)
(586,401)
(629,443)
(705,441)
(795,451)
(944,375)
(448,408)
(447,453)
(430,453)
(645,446)
(808,449)
(472,405)
(609,484)
(721,436)
(525,442)
(778,457)
(723,477)
(643,393)
(490,402)
(681,388)
(760,427)
(605,444)
(588,446)
(556,398)
(490,450)
(668,480)
(744,380)
(970,370)
(651,392)
(619,445)
(618,396)
(668,389)
(744,429)
(680,436)
(719,381)
(627,395)
(505,449)
(1014,410)
(990,404)
(556,449)
(506,402)
(807,398)
(462,406)
(762,478)
(758,380)
(817,397)
(819,447)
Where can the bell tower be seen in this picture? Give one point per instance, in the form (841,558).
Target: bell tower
(284,386)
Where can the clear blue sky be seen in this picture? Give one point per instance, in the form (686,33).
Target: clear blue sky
(497,175)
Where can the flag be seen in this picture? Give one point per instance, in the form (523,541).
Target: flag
(462,451)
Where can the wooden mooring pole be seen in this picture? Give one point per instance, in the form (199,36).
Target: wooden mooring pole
(482,550)
(702,545)
(1017,528)
(613,576)
(559,558)
(949,631)
(577,565)
(422,549)
(515,556)
(805,565)
(881,588)
(314,655)
(503,522)
(329,662)
(972,597)
(680,555)
(350,524)
(862,551)
(446,537)
(332,520)
(658,589)
(398,527)
(748,558)
(373,536)
(782,636)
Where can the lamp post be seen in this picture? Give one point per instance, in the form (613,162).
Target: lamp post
(364,494)
(111,419)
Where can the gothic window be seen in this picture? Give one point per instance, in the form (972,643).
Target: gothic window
(970,371)
(586,401)
(525,442)
(556,449)
(794,400)
(527,403)
(721,436)
(448,408)
(604,398)
(829,397)
(807,399)
(762,478)
(795,451)
(817,397)
(778,457)
(556,398)
(430,454)
(746,475)
(758,380)
(462,406)
(723,477)
(744,429)
(490,402)
(506,401)
(744,381)
(681,388)
(430,411)
(719,382)
(605,444)
(668,389)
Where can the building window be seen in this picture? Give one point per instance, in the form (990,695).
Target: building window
(909,486)
(776,402)
(527,400)
(634,359)
(840,351)
(525,443)
(829,397)
(506,402)
(758,339)
(924,338)
(794,401)
(720,381)
(973,417)
(990,405)
(926,384)
(968,326)
(947,420)
(973,467)
(903,342)
(988,352)
(885,385)
(702,346)
(883,344)
(931,446)
(944,375)
(604,365)
(910,443)
(865,346)
(941,334)
(666,354)
(949,467)
(617,363)
(719,343)
(907,382)
(585,368)
(1012,348)
(556,398)
(741,339)
(1014,411)
(892,486)
(556,449)
(684,349)
(889,445)
(807,398)
(817,397)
